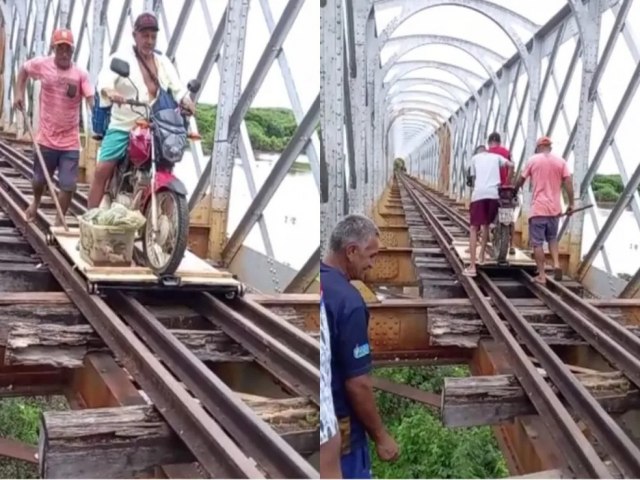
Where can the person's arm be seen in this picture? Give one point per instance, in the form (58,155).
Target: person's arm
(107,86)
(506,162)
(29,69)
(523,178)
(355,359)
(567,180)
(178,90)
(87,89)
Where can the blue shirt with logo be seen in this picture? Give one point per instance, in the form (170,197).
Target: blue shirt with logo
(348,320)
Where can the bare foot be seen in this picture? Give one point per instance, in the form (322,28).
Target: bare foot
(30,213)
(542,280)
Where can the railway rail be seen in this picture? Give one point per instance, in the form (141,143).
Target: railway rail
(224,435)
(616,344)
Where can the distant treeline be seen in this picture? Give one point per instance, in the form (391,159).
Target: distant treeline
(270,129)
(607,188)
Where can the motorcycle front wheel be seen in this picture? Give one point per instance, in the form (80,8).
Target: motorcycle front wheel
(164,249)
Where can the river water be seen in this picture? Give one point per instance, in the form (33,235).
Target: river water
(622,246)
(292,216)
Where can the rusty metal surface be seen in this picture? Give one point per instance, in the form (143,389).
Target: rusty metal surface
(393,266)
(206,439)
(583,459)
(617,344)
(427,398)
(296,365)
(11,448)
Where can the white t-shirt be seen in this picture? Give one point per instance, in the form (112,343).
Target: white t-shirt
(485,167)
(328,421)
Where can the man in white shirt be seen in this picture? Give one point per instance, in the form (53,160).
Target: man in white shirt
(485,170)
(329,431)
(149,71)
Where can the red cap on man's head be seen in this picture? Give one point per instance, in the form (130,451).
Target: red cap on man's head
(543,141)
(146,21)
(62,35)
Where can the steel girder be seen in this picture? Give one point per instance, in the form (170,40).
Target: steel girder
(28,28)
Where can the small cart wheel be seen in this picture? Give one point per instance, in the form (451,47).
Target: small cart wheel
(51,240)
(91,288)
(231,295)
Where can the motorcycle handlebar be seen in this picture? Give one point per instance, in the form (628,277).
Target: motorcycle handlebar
(135,103)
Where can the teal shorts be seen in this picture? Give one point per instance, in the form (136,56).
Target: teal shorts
(114,146)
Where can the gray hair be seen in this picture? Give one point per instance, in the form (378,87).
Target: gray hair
(352,228)
(479,149)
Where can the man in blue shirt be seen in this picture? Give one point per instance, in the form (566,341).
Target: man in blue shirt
(353,245)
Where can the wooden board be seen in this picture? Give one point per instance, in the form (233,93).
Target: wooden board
(520,258)
(192,270)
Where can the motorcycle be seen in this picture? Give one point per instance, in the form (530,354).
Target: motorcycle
(144,180)
(503,229)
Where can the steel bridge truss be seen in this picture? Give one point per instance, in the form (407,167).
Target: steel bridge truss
(380,102)
(100,26)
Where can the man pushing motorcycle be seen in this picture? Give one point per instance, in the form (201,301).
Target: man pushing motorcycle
(548,173)
(149,72)
(495,146)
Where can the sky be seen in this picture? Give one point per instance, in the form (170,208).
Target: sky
(302,46)
(471,25)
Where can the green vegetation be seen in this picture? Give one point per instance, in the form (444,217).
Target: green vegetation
(427,449)
(270,129)
(20,420)
(398,165)
(607,188)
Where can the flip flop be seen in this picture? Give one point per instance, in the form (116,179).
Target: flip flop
(468,272)
(557,274)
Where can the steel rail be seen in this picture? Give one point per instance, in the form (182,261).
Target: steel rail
(612,328)
(295,339)
(590,329)
(580,454)
(274,454)
(275,356)
(605,335)
(259,440)
(209,443)
(283,350)
(609,433)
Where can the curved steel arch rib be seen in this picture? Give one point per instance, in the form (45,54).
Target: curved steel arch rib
(478,52)
(424,93)
(419,5)
(406,67)
(490,10)
(417,111)
(453,90)
(443,112)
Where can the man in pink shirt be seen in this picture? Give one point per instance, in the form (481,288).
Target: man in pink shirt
(64,85)
(548,173)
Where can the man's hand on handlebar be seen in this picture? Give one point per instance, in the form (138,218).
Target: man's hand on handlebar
(188,106)
(116,98)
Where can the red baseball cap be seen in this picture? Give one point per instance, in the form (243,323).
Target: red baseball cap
(146,21)
(543,141)
(62,35)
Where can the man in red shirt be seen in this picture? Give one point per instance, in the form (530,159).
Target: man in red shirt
(494,142)
(64,86)
(548,173)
